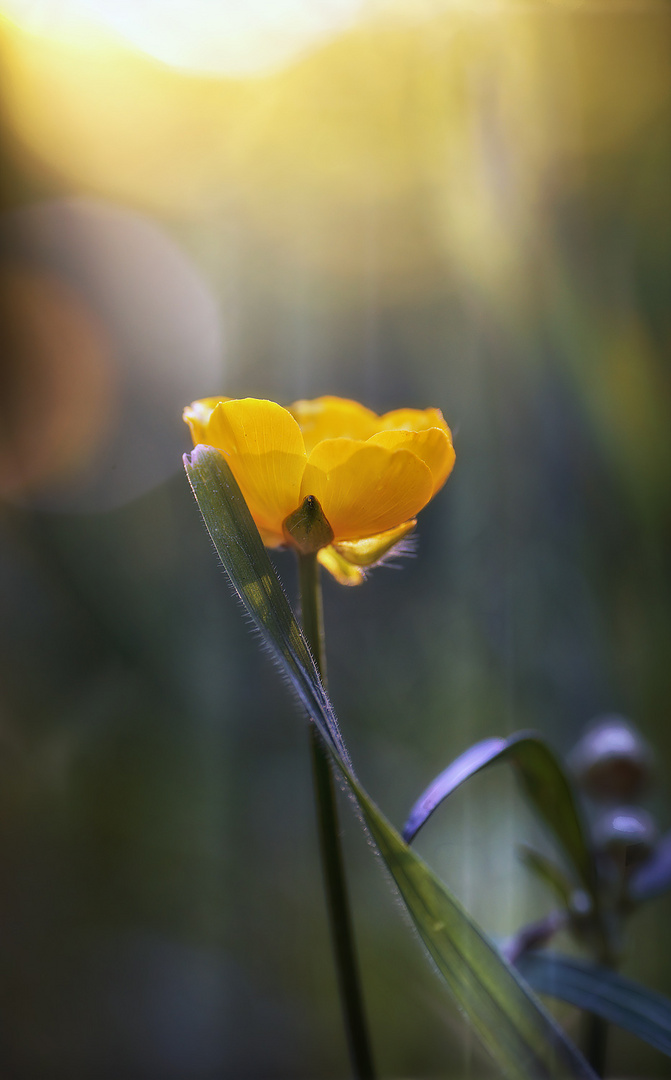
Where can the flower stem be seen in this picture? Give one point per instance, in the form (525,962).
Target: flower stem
(595,1027)
(329,840)
(596,1043)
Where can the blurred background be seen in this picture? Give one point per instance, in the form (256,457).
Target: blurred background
(449,204)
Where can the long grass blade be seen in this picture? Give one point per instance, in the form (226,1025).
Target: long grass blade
(543,781)
(604,993)
(522,1038)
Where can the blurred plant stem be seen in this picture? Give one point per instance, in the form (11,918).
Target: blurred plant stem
(596,1042)
(329,839)
(607,954)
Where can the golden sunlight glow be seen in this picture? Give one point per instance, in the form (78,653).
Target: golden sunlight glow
(217,36)
(431,135)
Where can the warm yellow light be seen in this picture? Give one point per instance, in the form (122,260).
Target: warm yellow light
(217,36)
(432,136)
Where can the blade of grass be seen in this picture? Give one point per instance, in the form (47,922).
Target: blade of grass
(602,992)
(240,548)
(543,781)
(522,1038)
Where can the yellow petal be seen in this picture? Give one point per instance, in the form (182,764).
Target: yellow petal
(432,445)
(271,539)
(343,571)
(365,489)
(197,414)
(412,420)
(333,418)
(265,451)
(368,552)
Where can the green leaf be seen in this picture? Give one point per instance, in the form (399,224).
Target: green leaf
(601,991)
(521,1036)
(523,1039)
(543,781)
(548,872)
(240,548)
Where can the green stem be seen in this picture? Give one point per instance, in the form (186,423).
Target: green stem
(329,841)
(606,954)
(596,1042)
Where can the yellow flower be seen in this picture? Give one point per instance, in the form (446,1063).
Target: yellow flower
(329,474)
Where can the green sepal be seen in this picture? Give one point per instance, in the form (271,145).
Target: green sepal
(307,528)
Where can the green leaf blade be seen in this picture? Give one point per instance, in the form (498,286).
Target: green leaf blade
(240,548)
(543,781)
(521,1037)
(603,992)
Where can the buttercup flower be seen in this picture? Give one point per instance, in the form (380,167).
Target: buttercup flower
(329,475)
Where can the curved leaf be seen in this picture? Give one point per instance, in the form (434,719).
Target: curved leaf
(521,1036)
(548,872)
(603,992)
(652,877)
(543,781)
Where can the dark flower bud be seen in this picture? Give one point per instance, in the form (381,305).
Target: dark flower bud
(307,528)
(628,833)
(612,761)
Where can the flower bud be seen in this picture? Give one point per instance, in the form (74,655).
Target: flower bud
(612,761)
(307,528)
(628,833)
